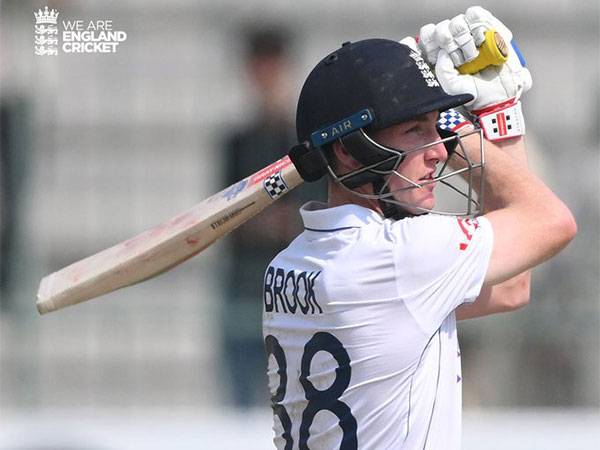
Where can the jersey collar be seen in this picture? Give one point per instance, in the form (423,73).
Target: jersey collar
(318,217)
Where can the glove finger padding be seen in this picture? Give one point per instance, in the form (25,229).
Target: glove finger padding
(480,20)
(491,85)
(461,33)
(454,36)
(428,44)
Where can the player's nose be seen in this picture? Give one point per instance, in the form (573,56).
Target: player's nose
(436,152)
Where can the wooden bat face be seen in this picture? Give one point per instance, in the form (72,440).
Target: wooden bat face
(168,244)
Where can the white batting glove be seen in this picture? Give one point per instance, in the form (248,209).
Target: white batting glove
(496,89)
(428,44)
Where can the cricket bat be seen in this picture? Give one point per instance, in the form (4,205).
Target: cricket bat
(168,244)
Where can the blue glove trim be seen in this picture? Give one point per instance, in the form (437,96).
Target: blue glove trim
(518,52)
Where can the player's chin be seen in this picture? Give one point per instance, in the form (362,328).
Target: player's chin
(418,201)
(421,205)
(426,202)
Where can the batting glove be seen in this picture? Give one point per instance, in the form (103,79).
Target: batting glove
(496,89)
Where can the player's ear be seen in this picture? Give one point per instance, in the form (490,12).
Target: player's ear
(343,158)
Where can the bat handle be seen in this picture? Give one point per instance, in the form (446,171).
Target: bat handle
(493,52)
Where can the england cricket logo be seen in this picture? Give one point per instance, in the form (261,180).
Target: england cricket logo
(46,32)
(425,70)
(77,35)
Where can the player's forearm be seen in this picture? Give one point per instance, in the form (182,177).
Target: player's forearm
(534,223)
(507,180)
(513,148)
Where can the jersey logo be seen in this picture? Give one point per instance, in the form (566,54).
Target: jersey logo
(468,227)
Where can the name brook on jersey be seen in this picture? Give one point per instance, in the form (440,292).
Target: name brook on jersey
(291,290)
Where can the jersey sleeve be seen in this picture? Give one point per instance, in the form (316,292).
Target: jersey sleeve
(441,264)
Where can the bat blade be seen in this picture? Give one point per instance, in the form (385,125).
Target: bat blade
(168,244)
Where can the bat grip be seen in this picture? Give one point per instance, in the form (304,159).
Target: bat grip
(493,52)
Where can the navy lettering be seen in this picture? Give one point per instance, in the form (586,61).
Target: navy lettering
(311,290)
(301,280)
(294,304)
(268,294)
(292,290)
(279,276)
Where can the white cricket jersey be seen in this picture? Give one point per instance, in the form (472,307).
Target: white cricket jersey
(360,329)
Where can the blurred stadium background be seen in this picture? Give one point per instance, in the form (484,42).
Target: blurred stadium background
(96,148)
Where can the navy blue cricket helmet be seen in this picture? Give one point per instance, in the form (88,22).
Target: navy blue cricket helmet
(363,86)
(384,76)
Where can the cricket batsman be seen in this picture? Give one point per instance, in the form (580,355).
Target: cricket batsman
(360,310)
